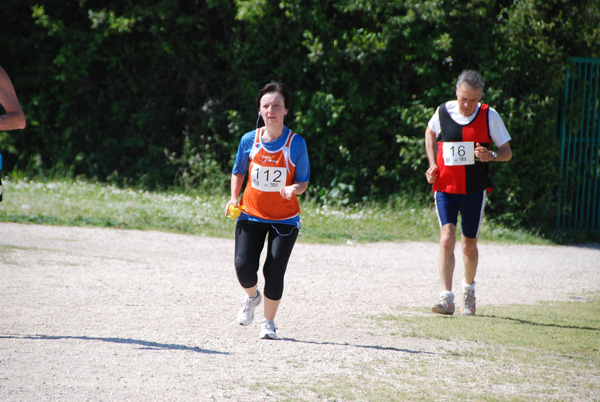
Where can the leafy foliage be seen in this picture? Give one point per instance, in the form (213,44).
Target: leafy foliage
(156,94)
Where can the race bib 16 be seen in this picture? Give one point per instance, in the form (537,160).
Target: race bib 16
(458,153)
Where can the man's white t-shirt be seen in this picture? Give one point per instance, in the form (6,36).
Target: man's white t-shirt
(498,131)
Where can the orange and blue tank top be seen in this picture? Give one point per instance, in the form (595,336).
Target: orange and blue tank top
(269,172)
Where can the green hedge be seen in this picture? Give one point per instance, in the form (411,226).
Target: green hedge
(158,93)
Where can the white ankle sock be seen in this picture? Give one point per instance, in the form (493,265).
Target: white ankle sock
(447,293)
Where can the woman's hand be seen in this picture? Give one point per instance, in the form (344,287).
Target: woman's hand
(297,188)
(233,202)
(288,192)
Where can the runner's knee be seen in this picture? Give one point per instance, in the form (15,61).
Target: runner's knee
(469,248)
(246,274)
(447,238)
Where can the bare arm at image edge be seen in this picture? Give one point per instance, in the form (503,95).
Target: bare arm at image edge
(14,119)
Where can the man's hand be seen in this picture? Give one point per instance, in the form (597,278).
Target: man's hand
(483,154)
(432,174)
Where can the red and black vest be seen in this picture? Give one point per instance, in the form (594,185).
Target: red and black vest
(463,179)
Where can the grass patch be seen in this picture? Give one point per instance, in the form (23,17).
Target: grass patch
(546,351)
(556,327)
(80,203)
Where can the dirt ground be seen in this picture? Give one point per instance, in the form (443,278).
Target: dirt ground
(107,314)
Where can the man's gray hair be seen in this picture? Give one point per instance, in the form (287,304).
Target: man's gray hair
(471,78)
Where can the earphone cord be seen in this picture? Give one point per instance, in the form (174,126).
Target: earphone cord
(297,226)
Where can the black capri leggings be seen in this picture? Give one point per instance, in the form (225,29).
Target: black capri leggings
(249,242)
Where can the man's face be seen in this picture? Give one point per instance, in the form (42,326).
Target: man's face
(468,98)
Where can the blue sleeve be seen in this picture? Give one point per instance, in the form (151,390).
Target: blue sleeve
(242,158)
(299,154)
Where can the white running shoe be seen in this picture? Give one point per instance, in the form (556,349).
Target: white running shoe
(445,305)
(246,314)
(268,329)
(468,307)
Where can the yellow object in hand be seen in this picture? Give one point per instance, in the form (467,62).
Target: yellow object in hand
(234,211)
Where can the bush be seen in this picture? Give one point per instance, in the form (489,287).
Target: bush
(156,94)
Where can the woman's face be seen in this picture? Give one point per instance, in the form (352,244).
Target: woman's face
(468,98)
(272,108)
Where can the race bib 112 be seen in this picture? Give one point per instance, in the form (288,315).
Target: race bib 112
(268,179)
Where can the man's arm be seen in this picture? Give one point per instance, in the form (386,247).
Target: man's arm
(504,153)
(14,119)
(431,148)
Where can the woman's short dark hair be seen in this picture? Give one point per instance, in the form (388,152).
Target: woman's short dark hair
(274,86)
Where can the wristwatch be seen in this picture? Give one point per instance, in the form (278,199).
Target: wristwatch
(494,154)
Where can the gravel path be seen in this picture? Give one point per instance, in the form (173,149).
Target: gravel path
(105,314)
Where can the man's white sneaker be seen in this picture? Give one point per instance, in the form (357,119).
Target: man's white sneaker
(268,329)
(246,314)
(468,307)
(445,305)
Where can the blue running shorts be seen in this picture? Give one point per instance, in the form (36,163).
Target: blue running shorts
(470,206)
